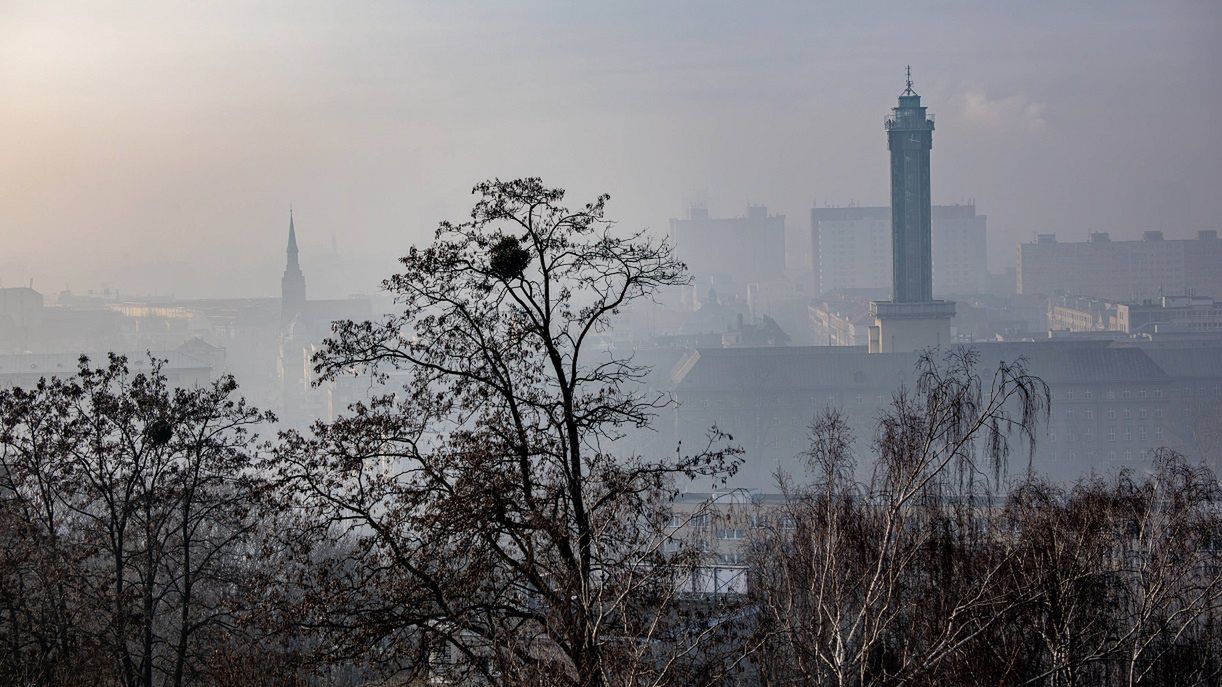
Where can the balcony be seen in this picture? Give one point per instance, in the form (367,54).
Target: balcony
(908,122)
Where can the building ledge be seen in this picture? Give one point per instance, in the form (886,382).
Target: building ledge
(891,310)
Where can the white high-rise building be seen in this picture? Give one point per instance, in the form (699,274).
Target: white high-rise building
(851,249)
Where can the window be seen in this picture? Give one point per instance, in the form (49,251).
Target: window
(1158,433)
(1090,414)
(701,520)
(1111,434)
(1141,413)
(731,533)
(1111,414)
(1088,395)
(732,558)
(1127,413)
(786,522)
(1143,433)
(1158,412)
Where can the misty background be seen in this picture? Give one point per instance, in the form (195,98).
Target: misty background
(157,149)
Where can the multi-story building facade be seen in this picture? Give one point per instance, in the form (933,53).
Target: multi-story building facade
(840,320)
(852,248)
(1113,403)
(1122,271)
(1068,313)
(731,252)
(1171,315)
(1168,316)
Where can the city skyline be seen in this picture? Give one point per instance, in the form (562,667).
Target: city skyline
(177,133)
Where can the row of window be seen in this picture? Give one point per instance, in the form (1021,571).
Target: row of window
(1143,434)
(1068,395)
(1111,414)
(702,520)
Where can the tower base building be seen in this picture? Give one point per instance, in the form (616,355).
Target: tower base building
(906,327)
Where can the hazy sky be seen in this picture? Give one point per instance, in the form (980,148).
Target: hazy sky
(157,146)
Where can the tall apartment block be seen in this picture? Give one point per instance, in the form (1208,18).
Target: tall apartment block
(1122,271)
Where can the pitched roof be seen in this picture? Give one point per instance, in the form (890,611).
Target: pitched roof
(1188,363)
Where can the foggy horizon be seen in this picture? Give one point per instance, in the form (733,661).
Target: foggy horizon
(156,150)
(894,357)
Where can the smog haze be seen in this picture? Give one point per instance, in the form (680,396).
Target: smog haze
(155,148)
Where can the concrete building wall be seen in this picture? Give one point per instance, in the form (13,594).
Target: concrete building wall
(1121,271)
(1112,405)
(736,250)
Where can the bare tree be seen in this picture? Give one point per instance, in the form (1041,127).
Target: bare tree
(1065,630)
(910,548)
(937,572)
(142,495)
(482,523)
(1169,566)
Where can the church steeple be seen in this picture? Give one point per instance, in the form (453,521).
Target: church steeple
(292,284)
(292,248)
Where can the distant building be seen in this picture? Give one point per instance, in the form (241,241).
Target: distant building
(303,326)
(1000,318)
(912,319)
(733,252)
(25,369)
(21,311)
(292,283)
(1080,314)
(1171,315)
(1121,271)
(841,319)
(1113,403)
(852,249)
(1166,317)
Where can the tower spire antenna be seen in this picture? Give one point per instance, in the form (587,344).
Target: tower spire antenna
(908,81)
